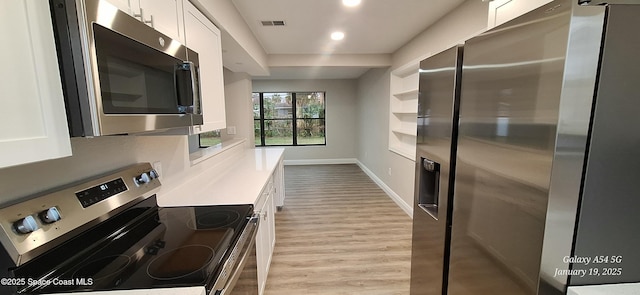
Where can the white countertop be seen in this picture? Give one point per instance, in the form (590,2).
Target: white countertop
(239,183)
(163,291)
(611,289)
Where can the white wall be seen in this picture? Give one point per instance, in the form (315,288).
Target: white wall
(462,23)
(340,117)
(373,137)
(238,106)
(467,20)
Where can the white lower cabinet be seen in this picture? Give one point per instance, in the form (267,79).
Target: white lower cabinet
(33,122)
(266,237)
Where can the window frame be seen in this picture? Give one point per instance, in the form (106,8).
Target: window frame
(294,119)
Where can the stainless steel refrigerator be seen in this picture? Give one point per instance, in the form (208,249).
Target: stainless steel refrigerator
(438,103)
(546,189)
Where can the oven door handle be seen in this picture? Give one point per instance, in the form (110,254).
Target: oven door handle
(252,230)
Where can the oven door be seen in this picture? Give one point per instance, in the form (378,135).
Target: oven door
(239,275)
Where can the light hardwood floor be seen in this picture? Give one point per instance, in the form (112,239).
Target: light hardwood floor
(339,233)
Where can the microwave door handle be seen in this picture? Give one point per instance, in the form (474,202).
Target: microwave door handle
(187,88)
(195,86)
(182,86)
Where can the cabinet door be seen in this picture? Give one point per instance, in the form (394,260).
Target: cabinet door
(278,185)
(265,239)
(33,123)
(261,252)
(125,6)
(272,224)
(166,16)
(501,11)
(204,37)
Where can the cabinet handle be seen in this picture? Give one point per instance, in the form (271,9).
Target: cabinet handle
(149,22)
(140,15)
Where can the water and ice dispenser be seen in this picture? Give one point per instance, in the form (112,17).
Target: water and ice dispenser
(429,186)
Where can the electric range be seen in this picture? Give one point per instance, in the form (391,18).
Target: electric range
(109,234)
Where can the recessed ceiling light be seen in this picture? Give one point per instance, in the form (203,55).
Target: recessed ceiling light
(351,3)
(337,36)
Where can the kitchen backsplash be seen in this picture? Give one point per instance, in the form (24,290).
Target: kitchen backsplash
(93,156)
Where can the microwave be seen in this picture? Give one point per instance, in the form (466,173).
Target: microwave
(120,76)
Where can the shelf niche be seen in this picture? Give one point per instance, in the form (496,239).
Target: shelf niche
(403,110)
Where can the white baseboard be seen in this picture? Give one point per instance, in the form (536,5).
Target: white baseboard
(407,208)
(321,161)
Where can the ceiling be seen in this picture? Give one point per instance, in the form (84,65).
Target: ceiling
(373,27)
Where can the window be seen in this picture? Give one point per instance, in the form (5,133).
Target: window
(210,138)
(289,118)
(204,140)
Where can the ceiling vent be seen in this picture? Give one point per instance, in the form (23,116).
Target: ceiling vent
(271,23)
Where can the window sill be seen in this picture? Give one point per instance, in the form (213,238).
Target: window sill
(207,153)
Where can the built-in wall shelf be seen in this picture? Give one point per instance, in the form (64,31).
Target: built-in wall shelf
(403,110)
(405,131)
(409,94)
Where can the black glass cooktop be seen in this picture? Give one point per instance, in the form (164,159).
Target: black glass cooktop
(140,248)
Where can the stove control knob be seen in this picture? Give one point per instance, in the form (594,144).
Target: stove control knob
(153,174)
(160,243)
(153,250)
(50,215)
(26,225)
(142,179)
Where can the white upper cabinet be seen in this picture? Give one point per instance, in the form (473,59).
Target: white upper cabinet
(125,5)
(501,11)
(33,123)
(166,16)
(204,37)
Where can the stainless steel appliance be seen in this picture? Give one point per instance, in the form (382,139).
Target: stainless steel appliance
(121,76)
(545,170)
(108,234)
(438,106)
